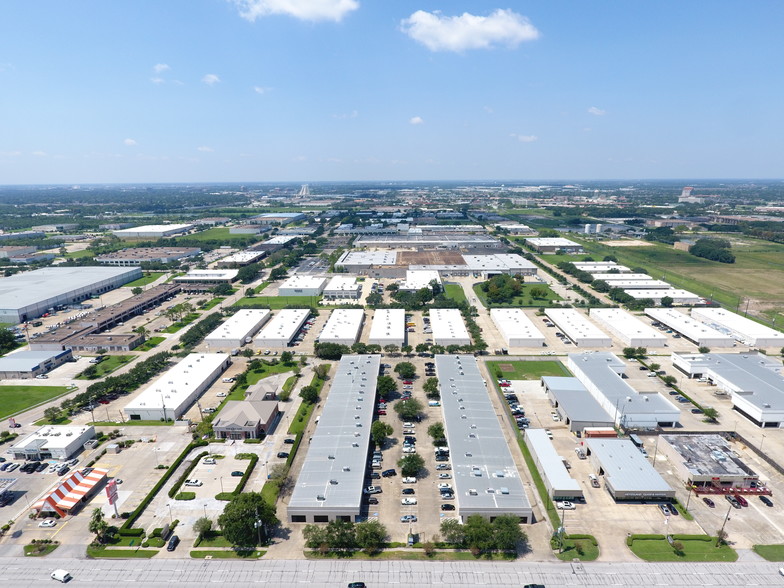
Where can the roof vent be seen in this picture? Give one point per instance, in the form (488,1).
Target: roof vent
(504,490)
(321,497)
(333,482)
(330,457)
(473,492)
(346,469)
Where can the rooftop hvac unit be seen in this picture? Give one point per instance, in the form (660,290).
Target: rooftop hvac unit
(333,482)
(346,469)
(321,497)
(504,490)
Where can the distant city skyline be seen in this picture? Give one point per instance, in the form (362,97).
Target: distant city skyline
(218,91)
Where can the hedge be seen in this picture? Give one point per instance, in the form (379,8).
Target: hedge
(165,478)
(185,496)
(590,538)
(184,476)
(253,460)
(126,532)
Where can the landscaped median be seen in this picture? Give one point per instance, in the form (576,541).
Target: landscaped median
(582,547)
(770,552)
(680,548)
(253,461)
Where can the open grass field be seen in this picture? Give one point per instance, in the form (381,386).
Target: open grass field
(524,300)
(108,365)
(185,321)
(770,552)
(455,292)
(15,399)
(527,370)
(212,303)
(278,302)
(574,545)
(226,554)
(693,550)
(150,343)
(218,233)
(147,278)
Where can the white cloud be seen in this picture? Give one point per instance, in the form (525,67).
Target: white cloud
(205,149)
(416,120)
(345,115)
(210,79)
(596,111)
(130,142)
(311,10)
(468,31)
(525,138)
(261,89)
(39,153)
(160,67)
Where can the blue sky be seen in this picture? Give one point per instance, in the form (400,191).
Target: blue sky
(98,91)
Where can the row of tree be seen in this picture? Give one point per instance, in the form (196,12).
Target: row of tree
(344,536)
(204,327)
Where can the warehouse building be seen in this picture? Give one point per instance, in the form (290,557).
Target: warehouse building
(698,333)
(342,287)
(516,328)
(743,329)
(753,381)
(708,463)
(600,266)
(630,330)
(343,326)
(24,365)
(389,327)
(170,396)
(139,255)
(360,262)
(553,244)
(448,327)
(274,244)
(681,297)
(617,277)
(152,231)
(248,229)
(200,280)
(487,266)
(283,327)
(53,442)
(559,483)
(418,279)
(28,295)
(277,218)
(644,284)
(577,327)
(302,285)
(330,485)
(601,373)
(234,332)
(486,479)
(627,474)
(574,404)
(452,241)
(518,229)
(240,258)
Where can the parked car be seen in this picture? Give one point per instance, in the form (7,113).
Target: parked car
(375,476)
(408,519)
(173,542)
(443,466)
(194,483)
(237,474)
(389,473)
(447,507)
(665,508)
(373,490)
(709,502)
(409,480)
(283,455)
(564,505)
(408,501)
(732,501)
(444,486)
(289,441)
(408,491)
(766,501)
(48,523)
(444,476)
(372,500)
(741,500)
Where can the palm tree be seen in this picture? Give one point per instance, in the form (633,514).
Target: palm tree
(142,331)
(98,525)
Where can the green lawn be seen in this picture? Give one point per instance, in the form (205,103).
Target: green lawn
(60,421)
(40,550)
(588,545)
(527,370)
(150,343)
(261,287)
(770,552)
(79,254)
(15,399)
(214,540)
(269,492)
(184,322)
(455,292)
(108,365)
(524,300)
(299,423)
(147,278)
(133,423)
(213,303)
(278,302)
(693,549)
(227,554)
(218,234)
(100,552)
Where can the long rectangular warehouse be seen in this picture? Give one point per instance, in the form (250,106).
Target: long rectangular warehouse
(600,266)
(343,326)
(698,333)
(28,295)
(486,479)
(578,328)
(560,485)
(516,328)
(627,328)
(282,328)
(243,324)
(644,284)
(171,394)
(678,296)
(329,486)
(743,329)
(627,474)
(448,327)
(389,327)
(618,276)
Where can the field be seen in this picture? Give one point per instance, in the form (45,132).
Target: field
(455,292)
(278,302)
(527,370)
(15,399)
(524,300)
(150,343)
(770,552)
(185,321)
(147,278)
(218,233)
(695,549)
(108,365)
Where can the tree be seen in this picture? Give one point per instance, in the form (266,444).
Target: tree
(341,535)
(453,532)
(710,413)
(98,525)
(374,299)
(391,348)
(137,290)
(641,352)
(478,533)
(142,331)
(406,349)
(315,536)
(278,273)
(669,380)
(721,536)
(629,352)
(202,526)
(371,536)
(379,431)
(431,388)
(704,349)
(51,414)
(250,292)
(321,370)
(411,464)
(7,340)
(408,409)
(423,348)
(667,301)
(436,431)
(331,350)
(286,357)
(507,532)
(405,370)
(386,386)
(309,394)
(248,273)
(222,290)
(655,367)
(538,292)
(242,515)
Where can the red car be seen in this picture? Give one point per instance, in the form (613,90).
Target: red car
(743,501)
(381,412)
(407,382)
(504,384)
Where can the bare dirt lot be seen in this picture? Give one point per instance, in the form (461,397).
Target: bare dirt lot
(429,258)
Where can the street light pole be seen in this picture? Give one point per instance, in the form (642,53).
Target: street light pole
(171,518)
(721,531)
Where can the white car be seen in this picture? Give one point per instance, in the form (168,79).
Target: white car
(444,476)
(409,480)
(48,523)
(408,425)
(221,394)
(565,505)
(193,483)
(408,501)
(444,486)
(409,449)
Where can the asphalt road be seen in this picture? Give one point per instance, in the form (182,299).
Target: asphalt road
(20,573)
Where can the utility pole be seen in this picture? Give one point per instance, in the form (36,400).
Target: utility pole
(721,531)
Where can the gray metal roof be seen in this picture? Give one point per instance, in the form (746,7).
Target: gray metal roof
(480,456)
(339,447)
(26,361)
(550,462)
(625,468)
(708,455)
(575,400)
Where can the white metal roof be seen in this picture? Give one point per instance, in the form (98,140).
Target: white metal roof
(388,324)
(577,327)
(368,258)
(198,275)
(618,277)
(280,239)
(56,436)
(284,325)
(343,324)
(625,468)
(153,229)
(551,242)
(304,281)
(600,266)
(342,284)
(447,325)
(243,257)
(745,328)
(515,324)
(675,294)
(687,326)
(240,325)
(418,279)
(498,262)
(644,284)
(628,325)
(551,463)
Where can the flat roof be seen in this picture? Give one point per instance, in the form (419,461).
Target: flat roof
(685,325)
(576,326)
(497,262)
(142,253)
(342,284)
(515,324)
(600,266)
(154,229)
(645,284)
(284,325)
(550,462)
(745,327)
(619,277)
(551,242)
(447,324)
(625,467)
(29,288)
(240,325)
(177,384)
(26,361)
(480,455)
(343,323)
(625,323)
(419,239)
(673,293)
(280,239)
(242,257)
(304,281)
(708,455)
(575,400)
(368,258)
(418,279)
(55,436)
(338,449)
(208,274)
(388,323)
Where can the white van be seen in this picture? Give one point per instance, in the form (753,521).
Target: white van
(61,576)
(434,403)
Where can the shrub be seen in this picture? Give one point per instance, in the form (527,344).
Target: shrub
(185,496)
(184,476)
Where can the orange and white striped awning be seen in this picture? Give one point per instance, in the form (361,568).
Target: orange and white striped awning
(71,491)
